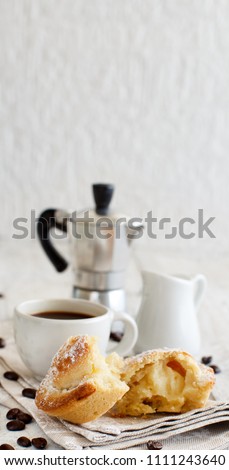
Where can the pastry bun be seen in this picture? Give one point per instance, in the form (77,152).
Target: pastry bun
(81,385)
(163,381)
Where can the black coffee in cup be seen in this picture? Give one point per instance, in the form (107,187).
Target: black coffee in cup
(55,315)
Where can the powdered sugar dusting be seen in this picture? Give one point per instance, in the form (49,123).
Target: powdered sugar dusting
(71,351)
(68,354)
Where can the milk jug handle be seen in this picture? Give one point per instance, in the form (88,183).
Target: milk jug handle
(200,284)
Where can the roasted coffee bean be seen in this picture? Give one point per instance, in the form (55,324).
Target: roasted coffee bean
(154,445)
(206,360)
(29,392)
(11,375)
(116,336)
(13,413)
(24,441)
(24,417)
(6,447)
(15,425)
(216,369)
(2,345)
(39,442)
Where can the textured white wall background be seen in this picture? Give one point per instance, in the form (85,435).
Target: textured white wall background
(134,92)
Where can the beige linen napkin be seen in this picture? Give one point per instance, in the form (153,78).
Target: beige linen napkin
(110,433)
(31,431)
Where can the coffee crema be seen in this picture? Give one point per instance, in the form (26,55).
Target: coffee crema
(55,315)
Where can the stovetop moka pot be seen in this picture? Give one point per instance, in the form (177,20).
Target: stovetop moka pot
(99,242)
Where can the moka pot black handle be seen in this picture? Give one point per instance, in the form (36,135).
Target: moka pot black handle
(48,220)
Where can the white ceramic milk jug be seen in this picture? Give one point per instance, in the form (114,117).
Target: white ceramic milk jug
(168,312)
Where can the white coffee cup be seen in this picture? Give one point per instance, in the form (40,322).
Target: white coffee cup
(38,338)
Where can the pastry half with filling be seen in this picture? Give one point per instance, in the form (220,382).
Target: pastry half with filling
(163,381)
(81,384)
